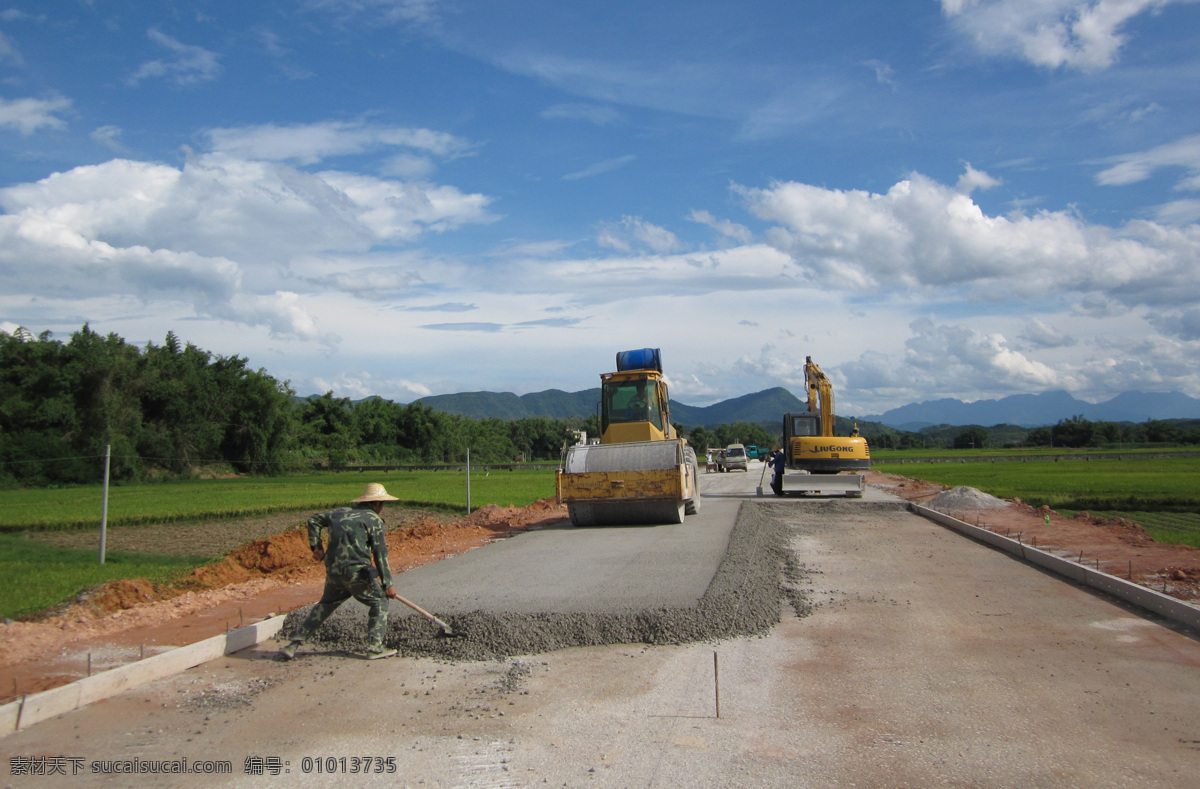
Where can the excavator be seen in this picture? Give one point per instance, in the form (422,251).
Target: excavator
(811,449)
(641,471)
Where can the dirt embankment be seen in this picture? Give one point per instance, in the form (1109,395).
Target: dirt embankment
(265,576)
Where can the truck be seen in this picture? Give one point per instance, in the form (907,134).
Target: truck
(641,470)
(819,461)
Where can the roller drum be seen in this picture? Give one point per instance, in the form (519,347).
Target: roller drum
(634,456)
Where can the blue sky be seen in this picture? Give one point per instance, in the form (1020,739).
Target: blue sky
(934,198)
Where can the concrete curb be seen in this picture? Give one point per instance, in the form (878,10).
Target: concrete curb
(36,707)
(1164,605)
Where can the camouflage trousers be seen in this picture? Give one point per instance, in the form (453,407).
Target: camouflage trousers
(364,587)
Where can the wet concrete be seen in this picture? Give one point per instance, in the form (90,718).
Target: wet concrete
(720,574)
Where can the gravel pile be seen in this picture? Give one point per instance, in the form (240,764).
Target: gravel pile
(742,599)
(963,498)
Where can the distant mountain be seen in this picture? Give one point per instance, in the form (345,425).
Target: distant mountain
(1046,408)
(767,406)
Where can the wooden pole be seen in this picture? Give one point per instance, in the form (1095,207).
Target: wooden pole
(104,504)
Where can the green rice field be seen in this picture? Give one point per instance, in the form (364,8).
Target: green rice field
(1161,494)
(166,502)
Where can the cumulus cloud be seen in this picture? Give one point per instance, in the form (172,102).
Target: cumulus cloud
(944,360)
(1079,34)
(188,64)
(225,233)
(921,235)
(28,115)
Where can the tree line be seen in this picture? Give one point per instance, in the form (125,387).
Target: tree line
(1073,433)
(171,409)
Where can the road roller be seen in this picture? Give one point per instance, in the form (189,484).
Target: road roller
(640,471)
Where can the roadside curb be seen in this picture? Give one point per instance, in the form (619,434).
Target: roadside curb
(28,710)
(1164,605)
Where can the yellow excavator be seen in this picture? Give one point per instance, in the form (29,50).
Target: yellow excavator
(641,471)
(811,448)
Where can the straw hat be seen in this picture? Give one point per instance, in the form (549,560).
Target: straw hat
(375,492)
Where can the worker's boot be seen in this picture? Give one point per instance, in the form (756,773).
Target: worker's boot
(289,652)
(381,652)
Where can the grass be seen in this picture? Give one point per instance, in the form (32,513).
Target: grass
(37,576)
(166,502)
(1169,528)
(1162,495)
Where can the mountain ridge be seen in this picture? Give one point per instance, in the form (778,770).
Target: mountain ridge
(769,405)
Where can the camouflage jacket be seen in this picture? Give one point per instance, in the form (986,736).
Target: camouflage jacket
(355,538)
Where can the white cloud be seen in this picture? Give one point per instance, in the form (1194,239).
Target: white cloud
(189,65)
(241,240)
(974,179)
(312,142)
(390,11)
(1080,34)
(1039,334)
(109,137)
(28,115)
(922,237)
(606,166)
(634,231)
(597,114)
(9,52)
(363,384)
(1131,168)
(728,229)
(947,360)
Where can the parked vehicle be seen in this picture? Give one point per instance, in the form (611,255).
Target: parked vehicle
(733,457)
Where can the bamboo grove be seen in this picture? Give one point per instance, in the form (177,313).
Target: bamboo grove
(168,410)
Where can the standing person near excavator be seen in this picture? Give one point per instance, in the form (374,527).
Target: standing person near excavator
(355,540)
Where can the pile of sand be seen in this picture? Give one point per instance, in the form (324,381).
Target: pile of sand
(963,499)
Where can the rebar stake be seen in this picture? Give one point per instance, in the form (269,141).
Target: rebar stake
(717,683)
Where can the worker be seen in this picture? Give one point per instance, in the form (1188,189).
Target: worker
(355,540)
(777,462)
(638,407)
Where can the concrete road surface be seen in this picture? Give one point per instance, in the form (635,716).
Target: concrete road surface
(924,659)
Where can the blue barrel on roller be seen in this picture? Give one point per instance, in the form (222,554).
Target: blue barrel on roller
(641,359)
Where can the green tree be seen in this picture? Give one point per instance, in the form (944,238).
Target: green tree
(327,428)
(974,437)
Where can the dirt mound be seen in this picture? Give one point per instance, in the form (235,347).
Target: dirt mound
(122,594)
(270,555)
(963,498)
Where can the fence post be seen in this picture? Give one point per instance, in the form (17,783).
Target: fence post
(104,504)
